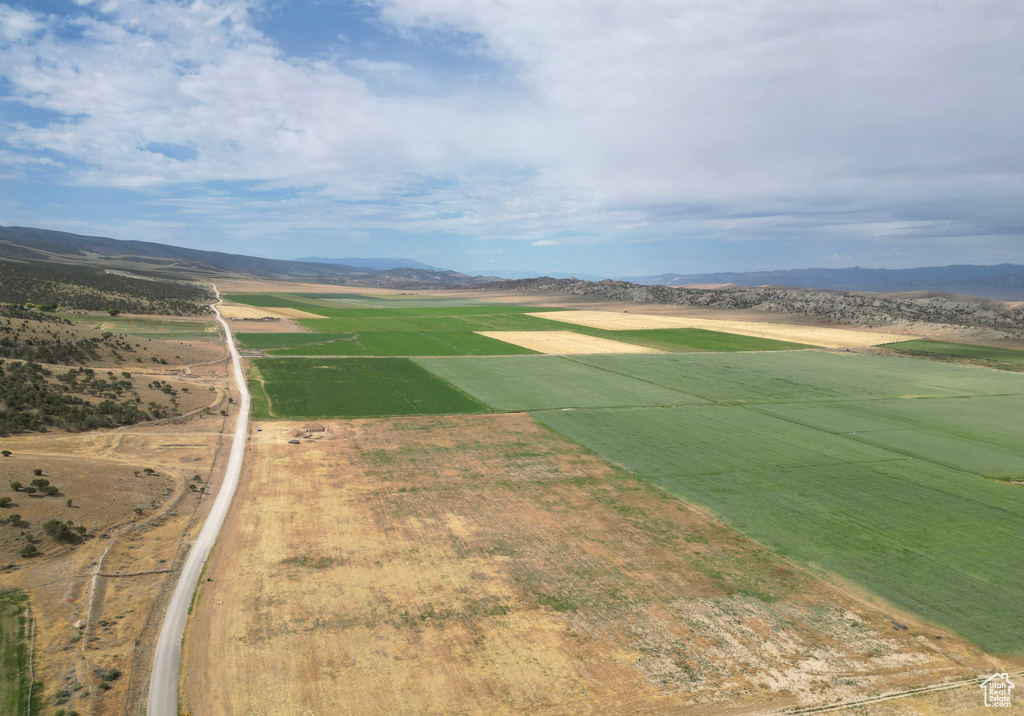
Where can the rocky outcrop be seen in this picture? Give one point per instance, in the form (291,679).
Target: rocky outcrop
(833,306)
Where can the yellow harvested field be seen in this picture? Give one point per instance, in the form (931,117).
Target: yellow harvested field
(565,342)
(811,335)
(485,565)
(236,311)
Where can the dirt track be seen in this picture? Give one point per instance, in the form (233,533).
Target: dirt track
(485,565)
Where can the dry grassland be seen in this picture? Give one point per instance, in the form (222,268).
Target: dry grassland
(485,565)
(564,342)
(139,528)
(236,311)
(811,335)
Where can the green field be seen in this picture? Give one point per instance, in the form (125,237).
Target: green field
(407,343)
(383,321)
(997,357)
(352,388)
(547,382)
(367,307)
(818,456)
(14,679)
(806,376)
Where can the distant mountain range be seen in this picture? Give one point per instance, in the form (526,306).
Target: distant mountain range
(42,246)
(1003,282)
(375,264)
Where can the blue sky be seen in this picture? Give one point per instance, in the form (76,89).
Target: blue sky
(579,136)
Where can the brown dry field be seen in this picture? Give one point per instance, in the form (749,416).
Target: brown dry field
(486,565)
(963,701)
(565,342)
(118,578)
(230,310)
(284,325)
(811,335)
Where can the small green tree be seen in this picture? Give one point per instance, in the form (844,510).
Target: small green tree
(40,482)
(38,471)
(5,501)
(16,486)
(113,311)
(59,531)
(29,490)
(6,453)
(29,550)
(14,519)
(69,502)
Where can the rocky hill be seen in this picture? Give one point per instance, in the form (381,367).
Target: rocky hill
(832,306)
(1004,282)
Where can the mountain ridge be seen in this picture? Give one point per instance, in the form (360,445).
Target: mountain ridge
(1004,282)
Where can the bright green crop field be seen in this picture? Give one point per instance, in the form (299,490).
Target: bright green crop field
(379,343)
(829,464)
(790,376)
(352,388)
(547,382)
(383,321)
(407,343)
(985,354)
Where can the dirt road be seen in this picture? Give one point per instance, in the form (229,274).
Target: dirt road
(163,680)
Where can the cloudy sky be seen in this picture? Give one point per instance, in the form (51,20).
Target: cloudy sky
(606,137)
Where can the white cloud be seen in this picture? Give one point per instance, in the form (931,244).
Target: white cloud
(640,118)
(17,25)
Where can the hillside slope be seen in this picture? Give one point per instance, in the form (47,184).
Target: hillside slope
(42,245)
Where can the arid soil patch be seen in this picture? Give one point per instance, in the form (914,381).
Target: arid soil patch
(483,564)
(233,311)
(812,335)
(564,342)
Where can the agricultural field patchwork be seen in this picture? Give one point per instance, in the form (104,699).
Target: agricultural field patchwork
(823,336)
(352,387)
(484,564)
(898,474)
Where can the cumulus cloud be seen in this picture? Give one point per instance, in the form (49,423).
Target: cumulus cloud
(717,120)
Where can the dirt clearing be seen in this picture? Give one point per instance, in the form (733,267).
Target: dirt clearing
(564,342)
(812,335)
(483,564)
(234,311)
